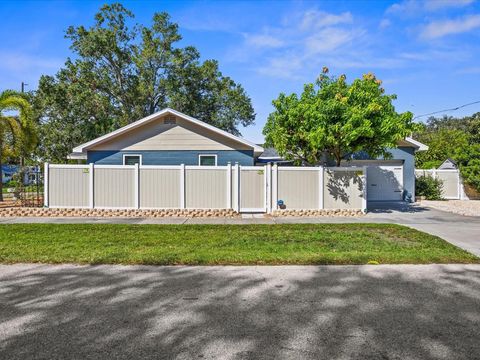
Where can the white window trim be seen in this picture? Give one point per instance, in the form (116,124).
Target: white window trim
(139,155)
(200,156)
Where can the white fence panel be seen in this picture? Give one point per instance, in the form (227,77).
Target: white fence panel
(452,182)
(242,188)
(114,187)
(299,189)
(253,188)
(68,186)
(344,188)
(159,188)
(206,188)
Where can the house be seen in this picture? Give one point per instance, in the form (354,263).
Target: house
(168,137)
(448,164)
(30,174)
(387,179)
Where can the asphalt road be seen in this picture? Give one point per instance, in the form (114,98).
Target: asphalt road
(282,312)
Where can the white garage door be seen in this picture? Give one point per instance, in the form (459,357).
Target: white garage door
(384,183)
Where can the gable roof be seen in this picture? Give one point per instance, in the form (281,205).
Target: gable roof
(80,150)
(408,141)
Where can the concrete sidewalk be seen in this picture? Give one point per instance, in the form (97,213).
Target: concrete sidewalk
(270,312)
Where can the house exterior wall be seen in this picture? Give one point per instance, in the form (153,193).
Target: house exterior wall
(407,154)
(171,157)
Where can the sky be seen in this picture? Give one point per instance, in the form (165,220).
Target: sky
(425,52)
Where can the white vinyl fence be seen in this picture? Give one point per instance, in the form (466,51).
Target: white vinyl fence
(242,188)
(452,182)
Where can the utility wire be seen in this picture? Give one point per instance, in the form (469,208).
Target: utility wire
(452,109)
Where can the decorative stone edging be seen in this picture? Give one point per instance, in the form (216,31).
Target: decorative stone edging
(322,212)
(160,213)
(130,213)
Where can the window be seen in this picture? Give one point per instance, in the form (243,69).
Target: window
(169,120)
(207,160)
(132,159)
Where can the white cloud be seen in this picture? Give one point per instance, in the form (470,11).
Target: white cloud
(314,19)
(302,42)
(287,66)
(328,39)
(385,23)
(438,29)
(416,7)
(433,5)
(263,40)
(407,7)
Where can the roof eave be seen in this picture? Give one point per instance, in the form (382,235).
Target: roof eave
(416,144)
(77,156)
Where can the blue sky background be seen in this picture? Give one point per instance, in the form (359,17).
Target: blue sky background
(426,52)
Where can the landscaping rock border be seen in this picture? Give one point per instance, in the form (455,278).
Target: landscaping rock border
(162,213)
(322,212)
(125,213)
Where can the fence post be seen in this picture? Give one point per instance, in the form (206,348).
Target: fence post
(136,186)
(229,185)
(91,186)
(275,186)
(236,203)
(320,187)
(364,181)
(268,195)
(45,185)
(182,186)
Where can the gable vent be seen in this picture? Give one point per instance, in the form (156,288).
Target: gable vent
(170,120)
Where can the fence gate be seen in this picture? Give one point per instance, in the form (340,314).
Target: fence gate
(253,184)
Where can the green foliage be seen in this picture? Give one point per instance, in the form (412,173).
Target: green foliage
(429,187)
(455,138)
(337,118)
(17,132)
(122,72)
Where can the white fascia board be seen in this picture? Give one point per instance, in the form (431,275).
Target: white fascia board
(81,148)
(77,156)
(420,146)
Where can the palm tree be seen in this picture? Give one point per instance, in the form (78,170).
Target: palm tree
(17,130)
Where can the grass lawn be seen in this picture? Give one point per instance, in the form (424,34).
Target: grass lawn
(224,244)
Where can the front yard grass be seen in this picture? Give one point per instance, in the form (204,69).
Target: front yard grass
(224,244)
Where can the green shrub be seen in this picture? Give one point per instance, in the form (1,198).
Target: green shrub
(429,187)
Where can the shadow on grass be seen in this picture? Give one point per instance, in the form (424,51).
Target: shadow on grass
(126,312)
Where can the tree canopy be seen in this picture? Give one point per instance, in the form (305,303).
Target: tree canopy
(17,130)
(122,72)
(336,118)
(455,138)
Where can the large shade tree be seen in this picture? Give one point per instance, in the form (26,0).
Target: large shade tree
(17,130)
(122,72)
(336,118)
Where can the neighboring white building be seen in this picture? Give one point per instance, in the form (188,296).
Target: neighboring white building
(448,164)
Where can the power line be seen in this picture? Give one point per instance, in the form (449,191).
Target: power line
(452,109)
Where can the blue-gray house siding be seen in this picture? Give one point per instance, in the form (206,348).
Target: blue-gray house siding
(407,154)
(171,157)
